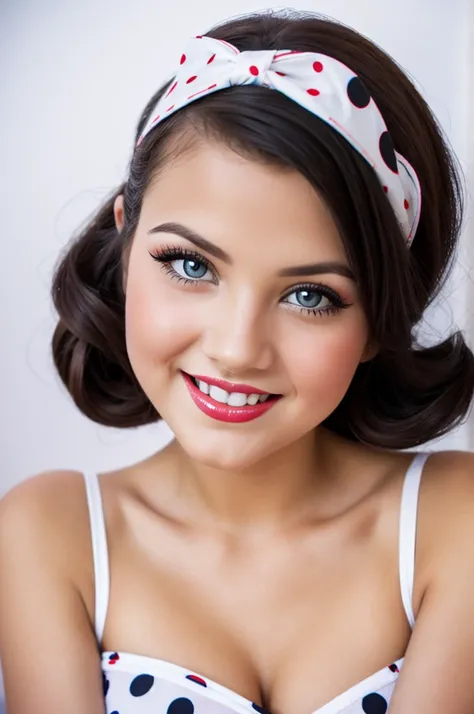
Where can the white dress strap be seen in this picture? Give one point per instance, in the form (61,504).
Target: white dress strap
(407,533)
(99,551)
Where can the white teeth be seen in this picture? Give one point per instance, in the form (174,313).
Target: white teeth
(220,395)
(233,399)
(252,399)
(203,386)
(237,399)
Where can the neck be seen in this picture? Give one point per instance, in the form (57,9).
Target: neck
(275,492)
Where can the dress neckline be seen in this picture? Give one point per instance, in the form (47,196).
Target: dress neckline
(136,663)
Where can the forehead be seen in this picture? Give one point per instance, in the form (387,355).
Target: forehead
(240,203)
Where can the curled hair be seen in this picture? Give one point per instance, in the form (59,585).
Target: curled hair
(407,394)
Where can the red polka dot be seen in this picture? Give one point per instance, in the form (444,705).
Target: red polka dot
(253,70)
(314,92)
(202,91)
(198,37)
(191,79)
(318,66)
(385,188)
(282,74)
(183,59)
(211,59)
(170,108)
(171,88)
(198,680)
(156,118)
(406,204)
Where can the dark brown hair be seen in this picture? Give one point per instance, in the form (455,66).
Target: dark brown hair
(405,396)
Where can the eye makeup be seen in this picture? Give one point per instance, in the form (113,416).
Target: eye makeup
(187,266)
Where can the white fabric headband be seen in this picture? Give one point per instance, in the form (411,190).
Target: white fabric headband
(321,84)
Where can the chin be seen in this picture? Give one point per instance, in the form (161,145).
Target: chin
(225,454)
(233,451)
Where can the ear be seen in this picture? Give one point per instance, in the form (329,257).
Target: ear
(118,216)
(118,212)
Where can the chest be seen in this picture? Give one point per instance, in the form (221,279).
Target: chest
(288,625)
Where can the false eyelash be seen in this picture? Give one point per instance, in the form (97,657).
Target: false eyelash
(337,302)
(167,254)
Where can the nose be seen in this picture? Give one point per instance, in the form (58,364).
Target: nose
(237,335)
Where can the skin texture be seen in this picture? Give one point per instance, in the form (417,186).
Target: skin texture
(256,554)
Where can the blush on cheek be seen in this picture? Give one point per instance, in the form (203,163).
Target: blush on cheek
(323,368)
(161,324)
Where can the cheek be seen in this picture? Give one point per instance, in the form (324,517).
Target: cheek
(323,360)
(158,321)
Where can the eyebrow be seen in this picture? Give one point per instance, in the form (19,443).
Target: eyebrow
(212,249)
(193,237)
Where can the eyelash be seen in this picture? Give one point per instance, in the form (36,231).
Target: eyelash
(166,255)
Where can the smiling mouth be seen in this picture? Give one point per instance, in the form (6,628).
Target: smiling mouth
(232,399)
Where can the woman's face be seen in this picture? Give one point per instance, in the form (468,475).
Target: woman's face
(237,272)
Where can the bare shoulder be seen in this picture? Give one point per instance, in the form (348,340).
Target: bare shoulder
(443,638)
(446,514)
(448,487)
(42,496)
(47,485)
(45,558)
(47,513)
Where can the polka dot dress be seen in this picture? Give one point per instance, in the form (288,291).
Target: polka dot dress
(134,684)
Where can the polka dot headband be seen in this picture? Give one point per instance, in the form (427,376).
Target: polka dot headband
(320,84)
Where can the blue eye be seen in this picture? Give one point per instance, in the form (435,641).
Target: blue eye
(316,300)
(309,299)
(185,266)
(190,268)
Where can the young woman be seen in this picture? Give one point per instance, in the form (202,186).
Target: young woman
(290,211)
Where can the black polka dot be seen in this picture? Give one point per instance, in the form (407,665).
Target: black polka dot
(358,93)
(181,706)
(141,685)
(388,152)
(260,709)
(105,684)
(374,704)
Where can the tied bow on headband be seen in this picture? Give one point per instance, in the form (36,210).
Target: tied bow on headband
(319,83)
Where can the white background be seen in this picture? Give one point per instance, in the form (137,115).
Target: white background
(75,78)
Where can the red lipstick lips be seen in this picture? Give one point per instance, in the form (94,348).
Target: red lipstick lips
(229,386)
(225,412)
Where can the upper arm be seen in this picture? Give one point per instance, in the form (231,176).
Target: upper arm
(437,674)
(49,655)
